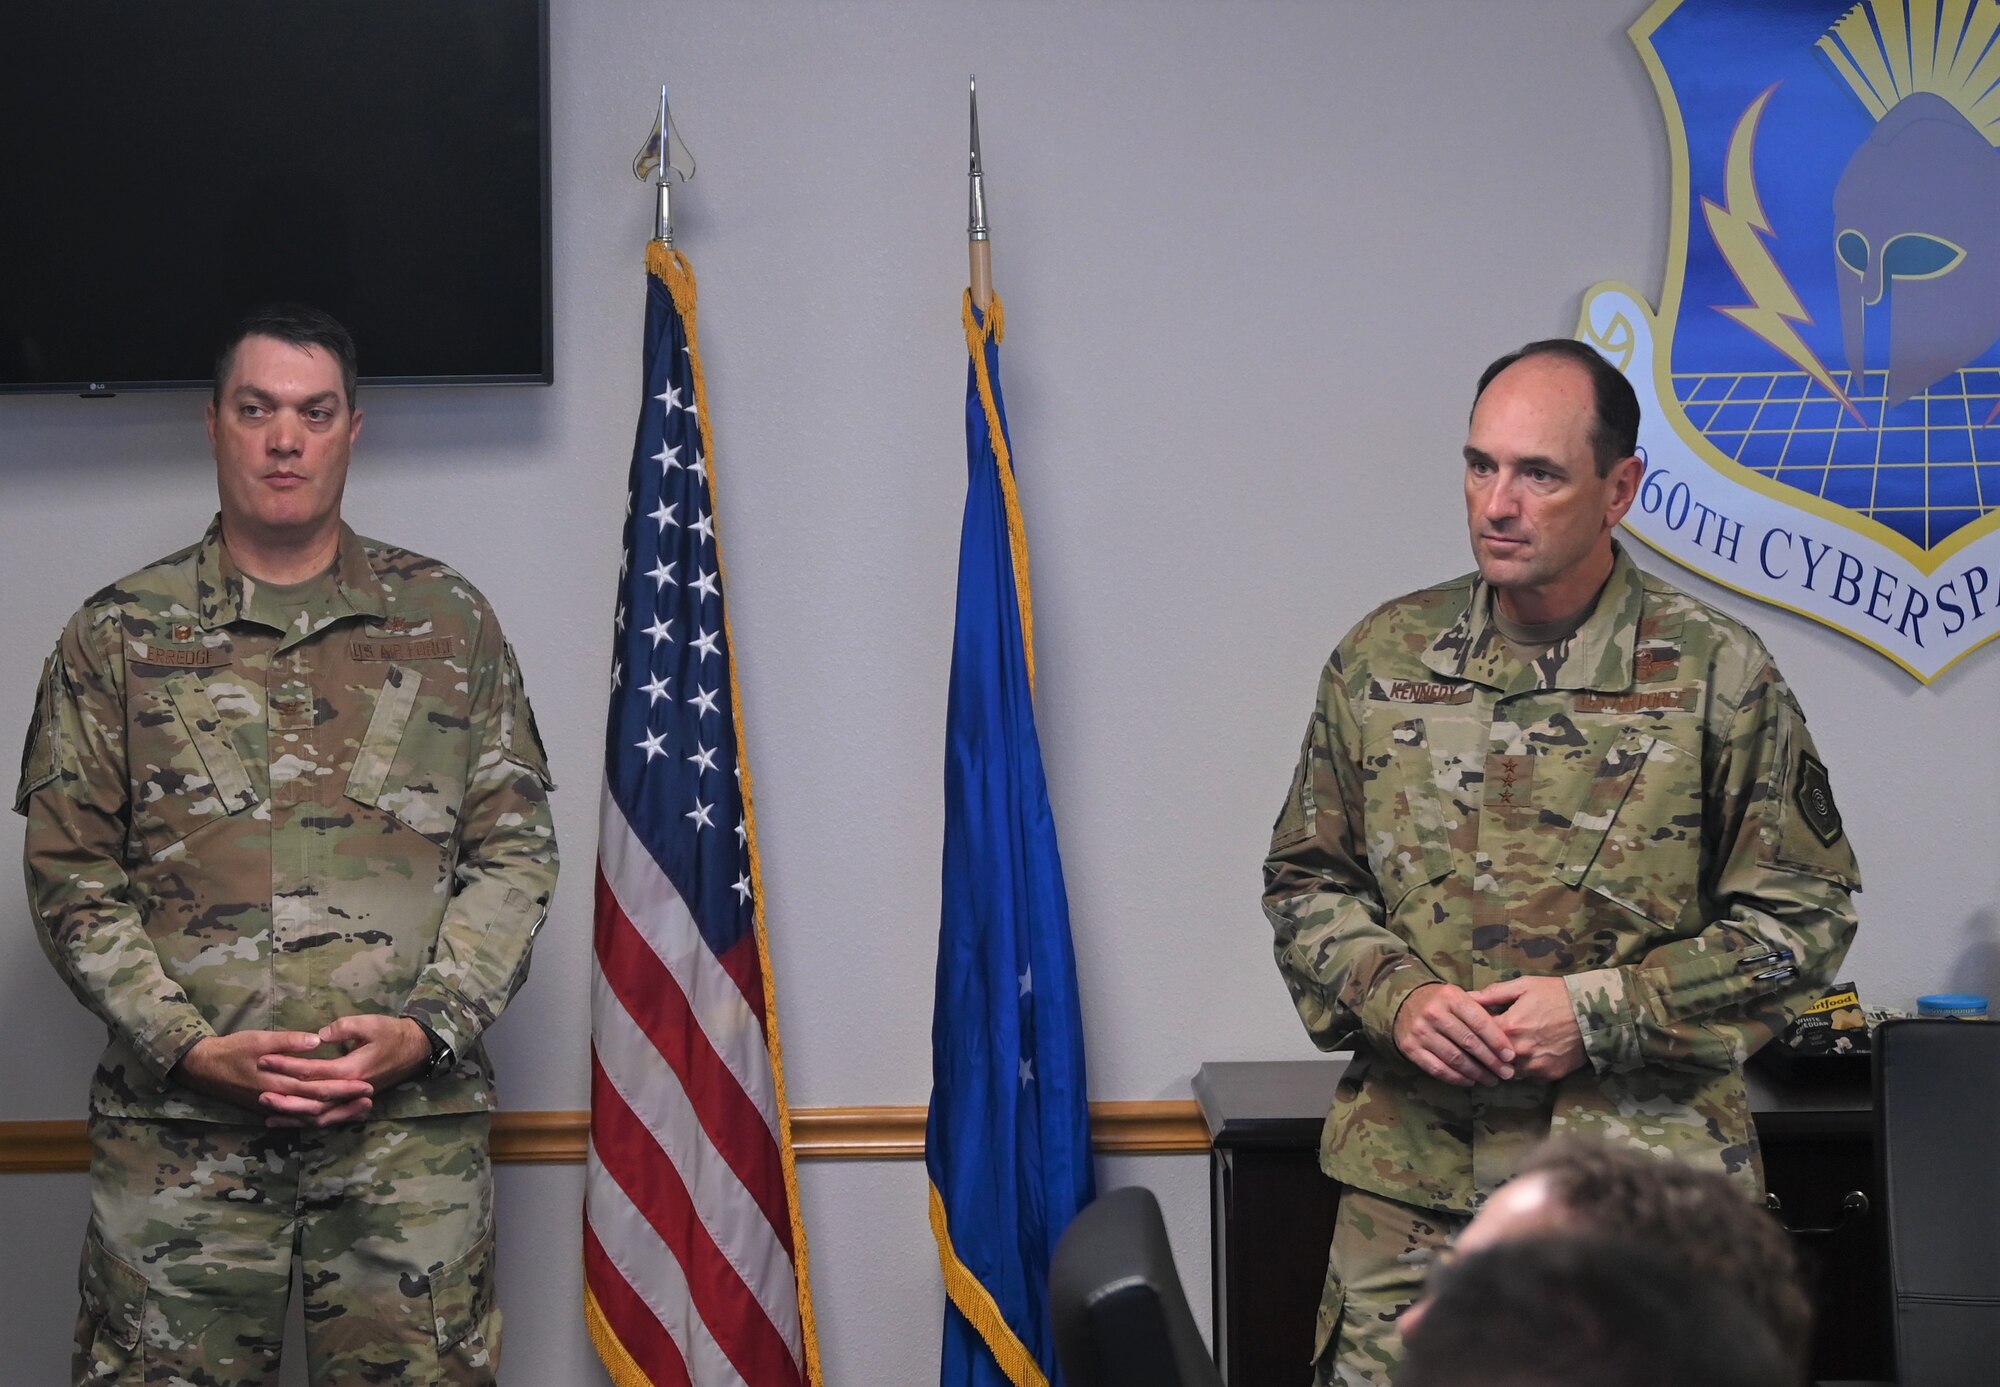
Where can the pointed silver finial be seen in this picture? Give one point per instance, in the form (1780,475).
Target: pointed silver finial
(663,153)
(976,227)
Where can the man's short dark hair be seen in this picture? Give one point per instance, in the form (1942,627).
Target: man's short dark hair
(298,325)
(1583,1312)
(1700,1219)
(1614,433)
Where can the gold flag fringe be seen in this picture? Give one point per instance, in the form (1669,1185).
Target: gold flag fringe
(964,1288)
(619,1366)
(672,269)
(976,1303)
(1017,528)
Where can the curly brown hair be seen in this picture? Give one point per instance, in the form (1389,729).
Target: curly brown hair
(1700,1219)
(1586,1310)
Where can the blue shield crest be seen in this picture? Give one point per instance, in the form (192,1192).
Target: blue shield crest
(1821,381)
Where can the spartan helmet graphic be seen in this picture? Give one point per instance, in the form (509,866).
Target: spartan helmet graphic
(1917,210)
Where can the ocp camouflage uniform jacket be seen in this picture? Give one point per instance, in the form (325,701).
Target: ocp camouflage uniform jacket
(235,826)
(1641,812)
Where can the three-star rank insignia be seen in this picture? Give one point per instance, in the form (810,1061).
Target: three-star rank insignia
(1813,794)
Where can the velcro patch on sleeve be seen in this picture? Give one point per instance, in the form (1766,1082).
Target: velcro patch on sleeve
(40,756)
(1297,820)
(1813,794)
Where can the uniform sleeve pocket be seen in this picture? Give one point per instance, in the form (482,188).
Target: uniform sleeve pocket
(1299,817)
(518,732)
(1805,832)
(38,757)
(113,1297)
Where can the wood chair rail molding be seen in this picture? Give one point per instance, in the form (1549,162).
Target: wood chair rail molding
(818,1134)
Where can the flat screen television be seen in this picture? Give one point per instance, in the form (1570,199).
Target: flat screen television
(167,165)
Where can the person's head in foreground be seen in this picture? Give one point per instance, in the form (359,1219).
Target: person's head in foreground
(1563,1310)
(1700,1219)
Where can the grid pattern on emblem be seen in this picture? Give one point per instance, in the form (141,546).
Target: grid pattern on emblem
(1926,469)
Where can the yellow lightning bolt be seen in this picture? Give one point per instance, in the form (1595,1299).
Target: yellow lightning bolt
(1739,229)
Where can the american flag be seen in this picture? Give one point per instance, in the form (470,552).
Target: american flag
(694,1254)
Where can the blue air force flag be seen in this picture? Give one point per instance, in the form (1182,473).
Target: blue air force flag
(1008,1145)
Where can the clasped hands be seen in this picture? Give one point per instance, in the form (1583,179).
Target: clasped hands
(268,1071)
(1519,1029)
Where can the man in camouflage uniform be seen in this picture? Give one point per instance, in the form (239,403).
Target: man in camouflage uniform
(1558,855)
(289,837)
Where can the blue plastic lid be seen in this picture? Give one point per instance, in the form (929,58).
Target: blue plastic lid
(1952,1001)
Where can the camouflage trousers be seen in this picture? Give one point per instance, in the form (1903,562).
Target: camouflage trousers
(1375,1271)
(187,1266)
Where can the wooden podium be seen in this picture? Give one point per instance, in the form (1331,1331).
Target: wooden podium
(1271,1213)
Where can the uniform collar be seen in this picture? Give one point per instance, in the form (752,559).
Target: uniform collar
(1598,657)
(227,595)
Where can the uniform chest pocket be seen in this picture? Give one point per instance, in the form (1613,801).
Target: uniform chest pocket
(185,770)
(1635,839)
(412,762)
(1409,842)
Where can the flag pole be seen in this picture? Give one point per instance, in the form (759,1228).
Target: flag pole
(662,156)
(663,211)
(1007,1136)
(684,1274)
(980,247)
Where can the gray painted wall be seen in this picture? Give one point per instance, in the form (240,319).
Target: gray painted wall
(1253,256)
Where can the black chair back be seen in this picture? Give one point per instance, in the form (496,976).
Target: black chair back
(1937,1100)
(1120,1315)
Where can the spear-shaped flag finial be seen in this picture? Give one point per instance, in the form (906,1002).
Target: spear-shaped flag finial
(976,228)
(663,153)
(975,231)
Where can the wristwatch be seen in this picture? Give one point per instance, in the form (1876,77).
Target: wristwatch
(441,1056)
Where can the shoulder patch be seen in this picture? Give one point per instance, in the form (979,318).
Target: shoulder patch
(39,758)
(1813,794)
(1298,819)
(518,732)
